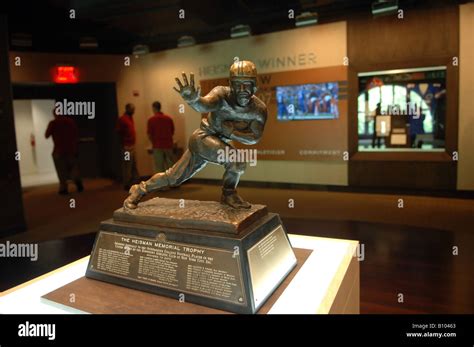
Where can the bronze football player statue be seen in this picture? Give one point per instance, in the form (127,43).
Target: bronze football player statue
(234,114)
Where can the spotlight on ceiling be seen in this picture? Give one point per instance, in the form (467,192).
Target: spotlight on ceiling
(240,30)
(140,50)
(21,40)
(384,7)
(88,43)
(306,18)
(186,41)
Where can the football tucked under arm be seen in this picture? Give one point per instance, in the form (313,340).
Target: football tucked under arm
(248,134)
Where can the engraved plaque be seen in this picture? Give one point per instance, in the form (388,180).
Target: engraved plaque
(183,268)
(223,270)
(270,260)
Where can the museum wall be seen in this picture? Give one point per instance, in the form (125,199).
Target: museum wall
(316,47)
(425,37)
(466,100)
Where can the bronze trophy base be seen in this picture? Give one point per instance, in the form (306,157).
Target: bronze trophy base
(195,251)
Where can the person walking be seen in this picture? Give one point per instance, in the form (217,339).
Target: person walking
(65,136)
(126,130)
(160,132)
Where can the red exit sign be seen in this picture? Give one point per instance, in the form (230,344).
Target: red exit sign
(66,74)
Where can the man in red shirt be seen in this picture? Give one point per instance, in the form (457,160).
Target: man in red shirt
(65,153)
(160,132)
(126,129)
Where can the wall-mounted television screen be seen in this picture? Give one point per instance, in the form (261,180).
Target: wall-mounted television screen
(307,101)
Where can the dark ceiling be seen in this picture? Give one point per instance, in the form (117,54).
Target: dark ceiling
(118,25)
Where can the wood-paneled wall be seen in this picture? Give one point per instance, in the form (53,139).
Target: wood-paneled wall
(428,37)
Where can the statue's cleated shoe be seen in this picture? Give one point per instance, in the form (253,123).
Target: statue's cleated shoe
(232,199)
(136,193)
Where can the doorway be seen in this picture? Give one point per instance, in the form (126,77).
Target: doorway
(99,148)
(36,164)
